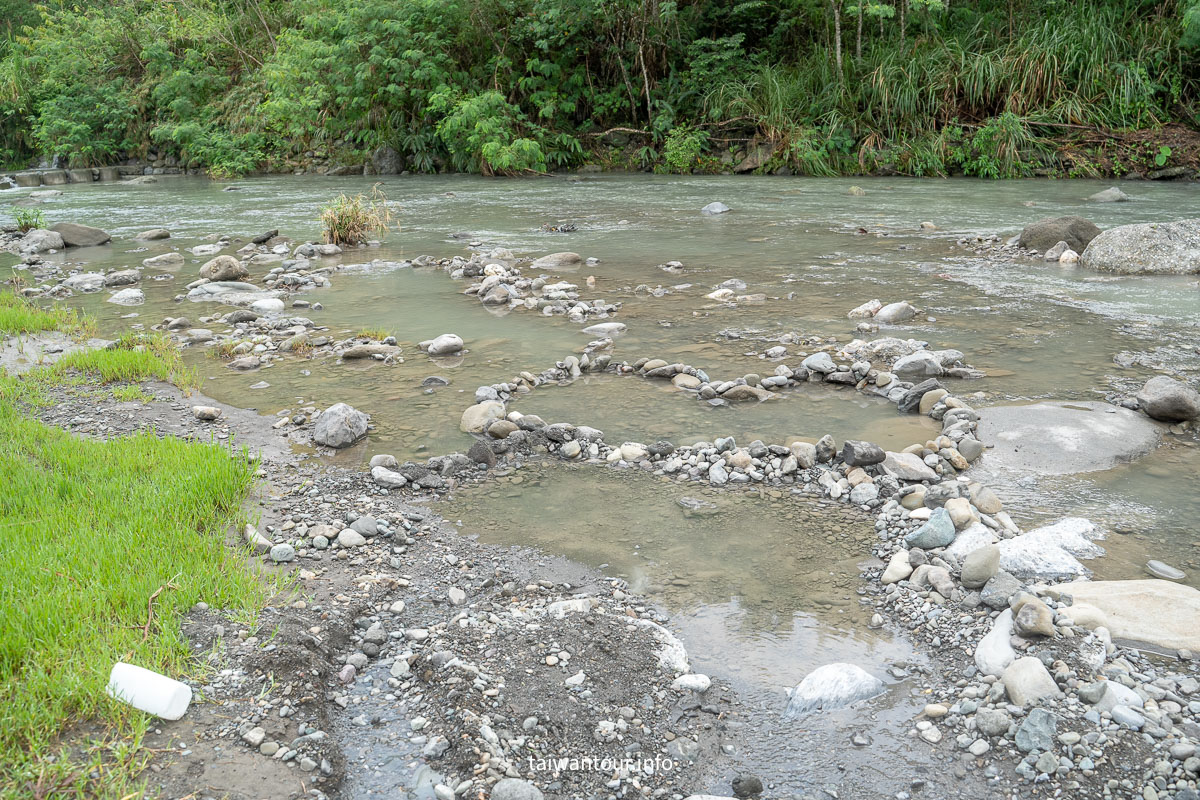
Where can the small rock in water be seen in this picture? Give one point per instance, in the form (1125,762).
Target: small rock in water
(747,786)
(1165,571)
(833,686)
(716,207)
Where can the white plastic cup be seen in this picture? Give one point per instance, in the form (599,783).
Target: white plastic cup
(148,691)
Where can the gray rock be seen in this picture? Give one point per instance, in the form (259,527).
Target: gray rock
(1028,682)
(1150,248)
(1110,195)
(1169,400)
(715,207)
(223,268)
(154,234)
(1165,571)
(819,362)
(446,344)
(74,235)
(999,589)
(387,478)
(39,241)
(908,467)
(979,566)
(921,364)
(995,652)
(1045,233)
(128,297)
(895,312)
(1123,715)
(825,449)
(515,789)
(992,721)
(832,686)
(481,453)
(1034,619)
(861,454)
(386,160)
(1055,253)
(864,493)
(910,401)
(122,277)
(340,426)
(557,261)
(1062,438)
(937,532)
(1036,731)
(282,553)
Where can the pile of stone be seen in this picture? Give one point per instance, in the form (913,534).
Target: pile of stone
(500,283)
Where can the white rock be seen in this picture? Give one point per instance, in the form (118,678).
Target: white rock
(694,682)
(128,297)
(351,538)
(995,652)
(832,686)
(268,305)
(1052,550)
(446,344)
(898,568)
(605,329)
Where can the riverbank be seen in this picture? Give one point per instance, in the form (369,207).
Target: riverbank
(1127,156)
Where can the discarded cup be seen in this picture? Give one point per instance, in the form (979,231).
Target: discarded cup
(148,691)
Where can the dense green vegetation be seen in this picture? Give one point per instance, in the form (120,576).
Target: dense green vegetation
(95,535)
(992,88)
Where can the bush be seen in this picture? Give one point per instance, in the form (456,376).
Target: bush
(28,219)
(682,149)
(483,133)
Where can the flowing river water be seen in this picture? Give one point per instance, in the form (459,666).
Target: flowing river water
(762,585)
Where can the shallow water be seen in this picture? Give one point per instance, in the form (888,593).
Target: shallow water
(1041,332)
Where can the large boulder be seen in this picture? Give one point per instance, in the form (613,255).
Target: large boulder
(1064,438)
(39,240)
(386,160)
(558,261)
(832,686)
(1156,612)
(340,426)
(1052,551)
(1169,400)
(478,417)
(164,261)
(75,235)
(1149,248)
(444,345)
(1045,233)
(908,467)
(224,268)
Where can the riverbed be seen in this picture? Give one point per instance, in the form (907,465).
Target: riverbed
(765,575)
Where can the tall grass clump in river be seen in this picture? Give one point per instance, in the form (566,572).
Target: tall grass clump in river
(351,220)
(103,545)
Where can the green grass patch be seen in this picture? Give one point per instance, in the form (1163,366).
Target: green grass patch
(18,315)
(89,532)
(131,393)
(378,334)
(134,357)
